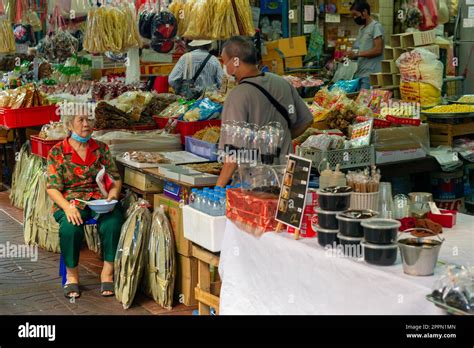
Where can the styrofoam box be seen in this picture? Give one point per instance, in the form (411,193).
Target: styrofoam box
(205,230)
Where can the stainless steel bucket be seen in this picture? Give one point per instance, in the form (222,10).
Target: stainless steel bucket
(419,255)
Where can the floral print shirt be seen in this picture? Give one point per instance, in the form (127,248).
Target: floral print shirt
(76,178)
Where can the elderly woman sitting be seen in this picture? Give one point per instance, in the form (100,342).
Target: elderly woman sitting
(73,165)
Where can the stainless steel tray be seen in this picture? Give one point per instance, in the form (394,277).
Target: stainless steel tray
(449,309)
(448,115)
(454,100)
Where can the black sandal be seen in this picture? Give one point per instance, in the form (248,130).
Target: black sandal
(107,286)
(70,288)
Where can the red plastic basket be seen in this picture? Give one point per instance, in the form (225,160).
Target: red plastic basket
(187,128)
(161,122)
(41,147)
(28,117)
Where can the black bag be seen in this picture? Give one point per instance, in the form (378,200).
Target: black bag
(281,109)
(187,87)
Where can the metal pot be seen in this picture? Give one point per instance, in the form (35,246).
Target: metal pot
(419,255)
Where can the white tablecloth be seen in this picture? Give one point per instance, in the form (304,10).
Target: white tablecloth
(276,274)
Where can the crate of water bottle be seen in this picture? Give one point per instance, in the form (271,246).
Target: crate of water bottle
(202,229)
(210,201)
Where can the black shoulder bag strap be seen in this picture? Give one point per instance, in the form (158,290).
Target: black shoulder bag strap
(281,109)
(201,68)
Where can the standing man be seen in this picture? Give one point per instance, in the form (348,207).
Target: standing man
(197,62)
(259,98)
(369,43)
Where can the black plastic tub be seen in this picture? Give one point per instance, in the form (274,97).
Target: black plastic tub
(327,219)
(380,231)
(335,198)
(380,255)
(350,245)
(350,220)
(327,237)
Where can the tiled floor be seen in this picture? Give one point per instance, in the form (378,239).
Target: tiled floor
(28,287)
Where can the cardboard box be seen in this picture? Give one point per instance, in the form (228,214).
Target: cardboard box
(388,53)
(186,280)
(376,79)
(398,155)
(397,52)
(291,47)
(374,6)
(418,38)
(276,64)
(142,181)
(174,212)
(343,6)
(387,79)
(401,138)
(389,66)
(396,79)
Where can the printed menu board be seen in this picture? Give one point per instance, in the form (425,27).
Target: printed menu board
(293,191)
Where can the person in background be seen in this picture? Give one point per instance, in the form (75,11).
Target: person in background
(246,102)
(368,48)
(72,169)
(212,73)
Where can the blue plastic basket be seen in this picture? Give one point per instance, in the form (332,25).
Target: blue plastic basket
(201,148)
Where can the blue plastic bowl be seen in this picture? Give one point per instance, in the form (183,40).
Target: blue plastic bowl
(101,206)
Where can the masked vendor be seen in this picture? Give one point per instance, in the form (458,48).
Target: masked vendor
(73,165)
(369,45)
(259,98)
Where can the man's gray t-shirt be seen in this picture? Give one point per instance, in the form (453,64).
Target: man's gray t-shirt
(365,42)
(247,103)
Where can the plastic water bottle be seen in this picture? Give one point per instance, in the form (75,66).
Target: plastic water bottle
(203,203)
(197,200)
(216,205)
(223,207)
(192,198)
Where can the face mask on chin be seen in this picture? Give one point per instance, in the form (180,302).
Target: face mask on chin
(230,77)
(360,21)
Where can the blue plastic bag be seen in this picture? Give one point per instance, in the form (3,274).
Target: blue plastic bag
(348,86)
(207,110)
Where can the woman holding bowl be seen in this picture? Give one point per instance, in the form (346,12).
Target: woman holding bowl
(72,167)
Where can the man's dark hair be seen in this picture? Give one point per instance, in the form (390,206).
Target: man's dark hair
(361,5)
(242,48)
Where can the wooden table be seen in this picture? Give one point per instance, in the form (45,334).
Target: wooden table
(206,291)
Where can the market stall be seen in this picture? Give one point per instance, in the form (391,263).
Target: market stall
(278,275)
(368,152)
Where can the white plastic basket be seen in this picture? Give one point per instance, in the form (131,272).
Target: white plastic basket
(363,201)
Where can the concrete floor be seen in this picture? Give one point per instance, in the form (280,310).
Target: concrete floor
(28,287)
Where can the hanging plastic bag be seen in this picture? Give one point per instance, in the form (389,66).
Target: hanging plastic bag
(104,181)
(430,14)
(443,12)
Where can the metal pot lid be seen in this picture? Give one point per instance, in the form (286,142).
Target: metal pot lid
(350,239)
(356,215)
(367,245)
(324,230)
(381,224)
(335,191)
(327,212)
